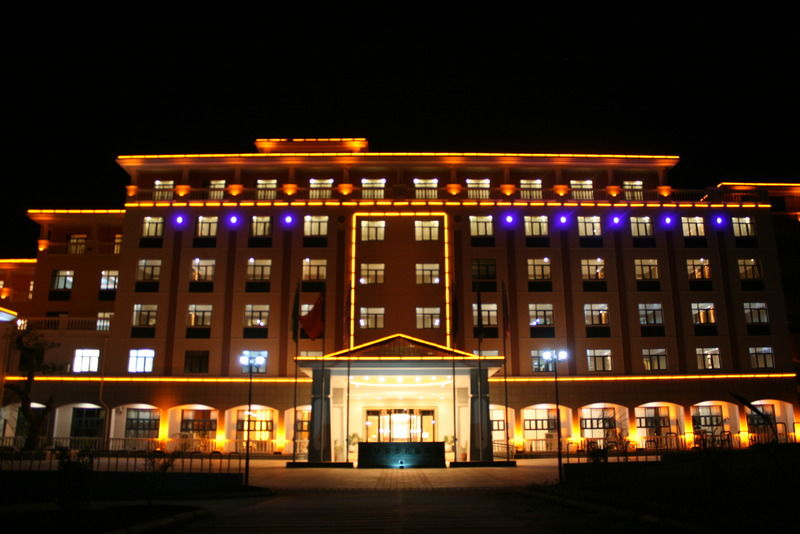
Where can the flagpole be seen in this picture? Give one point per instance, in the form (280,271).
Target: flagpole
(506,331)
(480,375)
(296,328)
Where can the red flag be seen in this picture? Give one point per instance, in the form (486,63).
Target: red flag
(313,322)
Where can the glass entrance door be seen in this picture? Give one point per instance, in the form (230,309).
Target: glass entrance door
(400,424)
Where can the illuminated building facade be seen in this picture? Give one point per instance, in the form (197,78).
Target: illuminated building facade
(434,288)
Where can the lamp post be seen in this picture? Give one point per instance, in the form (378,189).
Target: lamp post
(555,357)
(250,362)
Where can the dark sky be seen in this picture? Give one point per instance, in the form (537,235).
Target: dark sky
(725,102)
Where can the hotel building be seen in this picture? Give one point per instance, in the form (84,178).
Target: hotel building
(437,291)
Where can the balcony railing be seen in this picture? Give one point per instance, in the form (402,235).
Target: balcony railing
(66,323)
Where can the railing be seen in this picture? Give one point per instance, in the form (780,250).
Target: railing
(136,444)
(123,461)
(203,445)
(502,449)
(98,247)
(64,322)
(256,446)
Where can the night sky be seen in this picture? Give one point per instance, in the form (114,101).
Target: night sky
(724,102)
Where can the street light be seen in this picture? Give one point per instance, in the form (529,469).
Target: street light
(555,357)
(250,361)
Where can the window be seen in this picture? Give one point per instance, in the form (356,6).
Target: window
(598,359)
(581,189)
(148,270)
(749,269)
(743,226)
(488,314)
(372,273)
(256,315)
(104,321)
(198,423)
(645,269)
(595,314)
(199,316)
(693,227)
(530,189)
(320,188)
(141,360)
(142,423)
(654,359)
(654,420)
(373,230)
(163,189)
(152,226)
(427,273)
(255,356)
(203,270)
(195,361)
(484,269)
(593,269)
(86,361)
(651,314)
(315,225)
(756,313)
(266,189)
(536,226)
(216,189)
(145,315)
(761,357)
(641,227)
(260,226)
(540,314)
(478,187)
(77,244)
(703,313)
(538,268)
(426,188)
(633,189)
(315,269)
(206,226)
(707,357)
(372,187)
(117,243)
(426,230)
(597,422)
(109,280)
(428,317)
(589,226)
(698,269)
(707,419)
(259,270)
(62,280)
(539,363)
(481,226)
(371,317)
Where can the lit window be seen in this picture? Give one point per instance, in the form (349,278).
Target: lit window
(707,419)
(30,290)
(86,361)
(259,270)
(104,321)
(481,225)
(427,273)
(749,269)
(315,225)
(654,359)
(257,362)
(530,189)
(372,188)
(206,226)
(203,270)
(256,315)
(62,280)
(707,357)
(428,317)
(536,226)
(488,314)
(541,361)
(743,226)
(596,423)
(373,230)
(595,314)
(538,268)
(260,226)
(593,269)
(145,314)
(478,187)
(540,314)
(77,244)
(651,314)
(371,273)
(698,269)
(633,189)
(109,280)
(693,226)
(756,313)
(266,189)
(141,360)
(426,230)
(484,353)
(426,188)
(163,189)
(371,317)
(315,269)
(654,420)
(117,243)
(216,189)
(148,270)
(589,226)
(641,227)
(152,226)
(761,357)
(703,313)
(581,189)
(599,359)
(199,315)
(645,269)
(142,423)
(320,188)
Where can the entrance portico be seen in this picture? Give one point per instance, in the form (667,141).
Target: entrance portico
(399,389)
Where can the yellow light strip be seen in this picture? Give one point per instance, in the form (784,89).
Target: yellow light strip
(642,377)
(111,211)
(399,154)
(18,260)
(6,310)
(404,336)
(469,203)
(276,380)
(393,358)
(756,184)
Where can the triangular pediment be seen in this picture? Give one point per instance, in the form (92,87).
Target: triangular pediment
(400,347)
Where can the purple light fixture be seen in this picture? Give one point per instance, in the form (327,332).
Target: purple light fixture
(179,220)
(719,220)
(288,219)
(563,219)
(509,219)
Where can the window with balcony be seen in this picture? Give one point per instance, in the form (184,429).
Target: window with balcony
(163,189)
(598,359)
(108,284)
(258,274)
(537,231)
(589,226)
(750,276)
(145,315)
(427,273)
(216,189)
(86,361)
(593,274)
(266,189)
(148,273)
(256,320)
(373,188)
(654,359)
(314,274)
(484,274)
(539,274)
(481,230)
(141,360)
(756,318)
(371,273)
(698,269)
(540,320)
(426,230)
(198,320)
(77,244)
(642,231)
(694,231)
(478,187)
(152,232)
(373,230)
(651,319)
(104,321)
(582,189)
(707,357)
(645,271)
(202,275)
(426,188)
(633,189)
(761,357)
(61,284)
(428,317)
(315,230)
(530,189)
(320,188)
(484,321)
(542,362)
(260,231)
(205,233)
(704,317)
(743,227)
(371,317)
(195,361)
(595,318)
